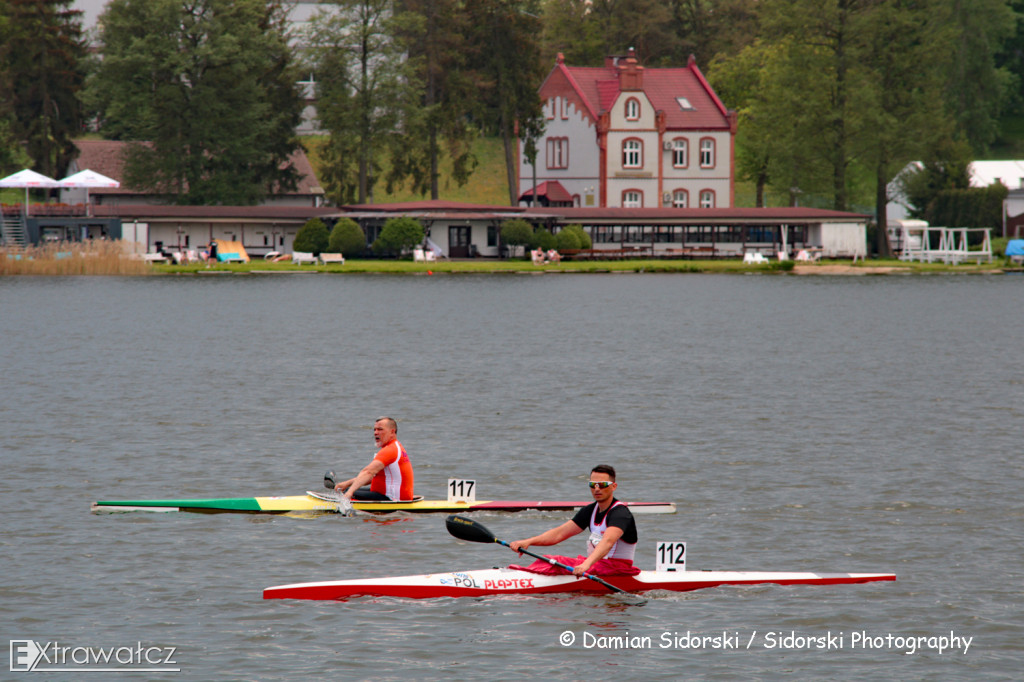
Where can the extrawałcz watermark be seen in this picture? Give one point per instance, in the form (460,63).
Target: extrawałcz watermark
(772,639)
(28,655)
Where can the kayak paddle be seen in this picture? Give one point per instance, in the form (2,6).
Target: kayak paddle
(344,506)
(471,531)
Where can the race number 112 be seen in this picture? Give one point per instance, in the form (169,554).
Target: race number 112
(671,556)
(461,490)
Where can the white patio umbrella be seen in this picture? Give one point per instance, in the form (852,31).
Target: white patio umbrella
(88,178)
(28,179)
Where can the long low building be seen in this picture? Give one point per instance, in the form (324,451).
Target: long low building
(466,230)
(461,230)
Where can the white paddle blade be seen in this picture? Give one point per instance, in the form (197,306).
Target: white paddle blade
(345,506)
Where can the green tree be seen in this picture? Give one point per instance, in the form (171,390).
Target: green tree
(359,78)
(947,167)
(585,241)
(907,60)
(399,235)
(436,107)
(711,28)
(824,82)
(586,31)
(743,82)
(977,88)
(42,65)
(567,240)
(210,87)
(516,232)
(12,155)
(312,237)
(567,29)
(347,238)
(509,71)
(542,239)
(970,207)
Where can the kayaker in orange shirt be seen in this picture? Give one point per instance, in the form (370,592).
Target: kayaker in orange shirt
(389,473)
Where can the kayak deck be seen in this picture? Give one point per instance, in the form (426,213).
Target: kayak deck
(319,502)
(500,581)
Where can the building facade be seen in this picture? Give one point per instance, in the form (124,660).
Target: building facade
(626,136)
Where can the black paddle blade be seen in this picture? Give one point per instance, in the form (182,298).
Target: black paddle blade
(469,530)
(329,480)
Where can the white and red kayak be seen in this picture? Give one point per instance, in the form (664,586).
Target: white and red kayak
(497,581)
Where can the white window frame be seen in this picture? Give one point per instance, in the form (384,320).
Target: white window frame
(707,198)
(557,153)
(680,199)
(632,153)
(680,153)
(632,109)
(707,152)
(632,198)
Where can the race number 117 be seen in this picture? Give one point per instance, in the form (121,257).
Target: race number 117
(461,490)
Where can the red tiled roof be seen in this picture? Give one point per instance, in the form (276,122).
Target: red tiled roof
(105,157)
(598,87)
(456,211)
(552,189)
(428,205)
(108,158)
(249,213)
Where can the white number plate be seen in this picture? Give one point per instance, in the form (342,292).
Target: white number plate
(671,556)
(461,490)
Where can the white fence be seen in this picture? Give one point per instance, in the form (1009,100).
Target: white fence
(917,240)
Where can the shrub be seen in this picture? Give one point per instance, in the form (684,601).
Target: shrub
(567,240)
(516,232)
(542,239)
(585,241)
(999,246)
(347,238)
(312,237)
(399,234)
(973,207)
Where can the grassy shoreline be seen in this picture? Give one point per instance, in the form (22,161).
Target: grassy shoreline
(108,258)
(487,266)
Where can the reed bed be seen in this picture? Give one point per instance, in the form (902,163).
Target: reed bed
(97,257)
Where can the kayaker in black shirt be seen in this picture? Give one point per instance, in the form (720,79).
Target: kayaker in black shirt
(613,536)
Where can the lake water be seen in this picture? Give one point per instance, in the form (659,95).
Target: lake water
(799,423)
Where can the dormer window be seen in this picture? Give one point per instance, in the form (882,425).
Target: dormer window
(632,109)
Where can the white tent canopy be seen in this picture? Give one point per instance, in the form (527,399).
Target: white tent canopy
(28,179)
(87,178)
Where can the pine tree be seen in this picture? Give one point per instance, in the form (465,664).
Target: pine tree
(42,58)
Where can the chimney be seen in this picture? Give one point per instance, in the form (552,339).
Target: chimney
(631,74)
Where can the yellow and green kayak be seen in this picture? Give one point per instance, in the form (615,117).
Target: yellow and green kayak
(326,503)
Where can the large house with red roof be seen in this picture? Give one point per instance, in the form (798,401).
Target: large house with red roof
(623,135)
